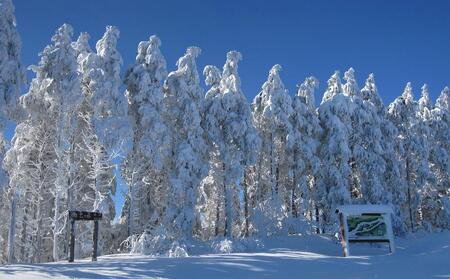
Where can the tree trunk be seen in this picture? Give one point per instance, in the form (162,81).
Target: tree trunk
(228,207)
(37,253)
(272,182)
(317,220)
(216,229)
(408,179)
(293,207)
(246,209)
(12,230)
(56,227)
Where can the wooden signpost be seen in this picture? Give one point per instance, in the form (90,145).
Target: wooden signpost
(83,216)
(365,223)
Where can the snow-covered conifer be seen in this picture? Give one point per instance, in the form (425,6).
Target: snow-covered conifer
(365,143)
(187,162)
(229,127)
(143,168)
(403,112)
(50,104)
(424,103)
(11,78)
(394,185)
(335,114)
(334,87)
(102,122)
(272,108)
(306,141)
(436,195)
(211,191)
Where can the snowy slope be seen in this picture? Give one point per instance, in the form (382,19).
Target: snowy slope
(419,256)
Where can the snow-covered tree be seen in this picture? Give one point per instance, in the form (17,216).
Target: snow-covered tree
(435,207)
(187,162)
(11,74)
(365,143)
(335,114)
(425,105)
(272,108)
(211,191)
(101,125)
(334,87)
(143,168)
(11,78)
(228,126)
(47,131)
(306,141)
(403,112)
(394,185)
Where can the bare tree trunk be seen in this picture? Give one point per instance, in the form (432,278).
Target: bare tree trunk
(408,177)
(246,209)
(293,207)
(12,230)
(228,207)
(272,182)
(317,220)
(37,253)
(56,227)
(216,229)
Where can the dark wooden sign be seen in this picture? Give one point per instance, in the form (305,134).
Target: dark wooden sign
(76,215)
(85,215)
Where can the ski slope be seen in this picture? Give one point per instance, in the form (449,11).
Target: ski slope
(418,256)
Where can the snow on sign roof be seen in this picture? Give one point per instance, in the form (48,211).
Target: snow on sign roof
(364,208)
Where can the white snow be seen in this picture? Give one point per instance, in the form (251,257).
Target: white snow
(366,208)
(418,256)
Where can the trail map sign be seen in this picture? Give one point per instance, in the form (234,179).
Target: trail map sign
(83,216)
(365,223)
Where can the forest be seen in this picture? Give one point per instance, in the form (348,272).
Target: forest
(200,162)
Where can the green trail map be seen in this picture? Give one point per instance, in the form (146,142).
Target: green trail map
(363,226)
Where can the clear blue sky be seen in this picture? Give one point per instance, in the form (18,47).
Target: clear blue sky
(399,41)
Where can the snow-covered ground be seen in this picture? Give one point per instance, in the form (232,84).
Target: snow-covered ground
(418,256)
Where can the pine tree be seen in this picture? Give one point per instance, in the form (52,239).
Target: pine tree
(403,112)
(230,129)
(272,108)
(102,118)
(187,164)
(365,143)
(11,78)
(435,206)
(395,186)
(50,104)
(335,113)
(144,166)
(334,87)
(211,190)
(306,137)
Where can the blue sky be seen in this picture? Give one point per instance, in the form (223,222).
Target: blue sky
(399,41)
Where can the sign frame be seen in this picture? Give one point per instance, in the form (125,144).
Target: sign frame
(383,211)
(76,215)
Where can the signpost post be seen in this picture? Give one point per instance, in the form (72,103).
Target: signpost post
(83,216)
(365,223)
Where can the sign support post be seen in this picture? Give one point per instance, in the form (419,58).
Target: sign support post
(83,216)
(95,240)
(72,241)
